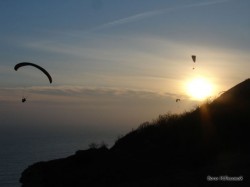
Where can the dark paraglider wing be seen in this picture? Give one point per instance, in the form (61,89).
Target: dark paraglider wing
(17,66)
(194,58)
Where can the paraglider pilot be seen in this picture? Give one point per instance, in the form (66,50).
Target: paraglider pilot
(23,99)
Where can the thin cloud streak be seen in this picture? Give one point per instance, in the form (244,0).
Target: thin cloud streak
(76,92)
(79,91)
(208,3)
(129,19)
(153,13)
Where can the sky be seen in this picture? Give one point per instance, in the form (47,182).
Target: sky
(116,63)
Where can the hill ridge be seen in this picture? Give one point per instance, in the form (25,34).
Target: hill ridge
(211,140)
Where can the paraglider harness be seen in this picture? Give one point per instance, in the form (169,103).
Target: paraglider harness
(24,99)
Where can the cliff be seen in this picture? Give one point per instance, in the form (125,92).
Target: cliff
(190,149)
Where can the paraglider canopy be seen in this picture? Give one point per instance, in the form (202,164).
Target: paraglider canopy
(194,58)
(17,66)
(177,100)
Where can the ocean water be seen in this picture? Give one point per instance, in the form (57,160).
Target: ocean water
(20,149)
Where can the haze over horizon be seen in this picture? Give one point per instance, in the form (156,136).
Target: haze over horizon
(116,64)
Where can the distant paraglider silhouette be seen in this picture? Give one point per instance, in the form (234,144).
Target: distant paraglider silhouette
(19,65)
(194,60)
(177,100)
(24,99)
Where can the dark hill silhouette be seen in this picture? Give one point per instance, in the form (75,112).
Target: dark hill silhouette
(174,150)
(239,92)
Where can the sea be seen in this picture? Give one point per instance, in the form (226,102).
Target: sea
(21,148)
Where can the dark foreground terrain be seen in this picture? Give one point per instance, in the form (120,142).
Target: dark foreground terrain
(209,146)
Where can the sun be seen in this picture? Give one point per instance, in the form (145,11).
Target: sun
(199,88)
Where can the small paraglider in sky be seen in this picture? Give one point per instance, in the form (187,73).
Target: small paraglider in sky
(194,60)
(24,99)
(177,100)
(22,64)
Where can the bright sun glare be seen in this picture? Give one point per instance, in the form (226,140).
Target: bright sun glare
(199,88)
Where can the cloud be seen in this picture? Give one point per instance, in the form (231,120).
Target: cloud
(200,4)
(148,14)
(88,107)
(74,93)
(129,19)
(80,91)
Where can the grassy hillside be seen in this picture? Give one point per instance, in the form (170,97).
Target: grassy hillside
(173,150)
(223,124)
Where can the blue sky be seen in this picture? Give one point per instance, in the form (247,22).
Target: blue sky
(116,63)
